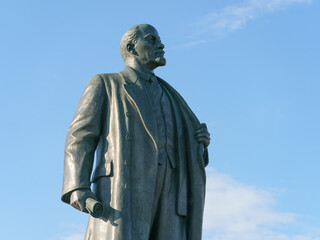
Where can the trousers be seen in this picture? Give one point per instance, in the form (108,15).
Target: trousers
(166,223)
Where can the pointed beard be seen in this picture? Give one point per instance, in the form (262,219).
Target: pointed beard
(161,61)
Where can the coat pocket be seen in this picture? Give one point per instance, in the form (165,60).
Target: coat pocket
(104,169)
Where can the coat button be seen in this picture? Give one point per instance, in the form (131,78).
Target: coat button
(127,186)
(128,137)
(128,114)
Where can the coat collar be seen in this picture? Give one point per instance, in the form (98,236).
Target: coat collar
(136,92)
(129,75)
(133,75)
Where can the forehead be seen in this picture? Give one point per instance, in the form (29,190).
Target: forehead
(149,30)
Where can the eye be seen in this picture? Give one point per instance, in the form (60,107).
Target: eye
(151,39)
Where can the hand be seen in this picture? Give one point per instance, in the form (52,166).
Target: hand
(78,199)
(202,135)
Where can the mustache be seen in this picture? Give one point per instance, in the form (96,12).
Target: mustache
(160,52)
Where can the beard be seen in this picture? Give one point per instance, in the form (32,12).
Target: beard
(161,61)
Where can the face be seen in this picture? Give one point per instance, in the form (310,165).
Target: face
(149,49)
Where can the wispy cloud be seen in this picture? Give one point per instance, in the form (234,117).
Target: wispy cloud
(194,43)
(235,211)
(73,236)
(236,16)
(71,232)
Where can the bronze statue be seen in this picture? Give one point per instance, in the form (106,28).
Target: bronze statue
(151,151)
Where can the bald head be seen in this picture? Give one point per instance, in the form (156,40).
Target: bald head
(142,44)
(130,37)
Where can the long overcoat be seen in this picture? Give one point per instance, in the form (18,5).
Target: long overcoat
(115,121)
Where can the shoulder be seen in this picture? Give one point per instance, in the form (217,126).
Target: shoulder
(106,83)
(104,79)
(109,76)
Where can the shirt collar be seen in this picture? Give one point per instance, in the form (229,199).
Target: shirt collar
(131,75)
(143,75)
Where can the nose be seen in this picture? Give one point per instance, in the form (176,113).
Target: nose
(160,45)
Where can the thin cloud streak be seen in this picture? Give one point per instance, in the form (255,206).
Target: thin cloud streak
(74,236)
(194,43)
(235,211)
(71,232)
(234,17)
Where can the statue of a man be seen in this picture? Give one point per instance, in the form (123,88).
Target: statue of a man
(150,148)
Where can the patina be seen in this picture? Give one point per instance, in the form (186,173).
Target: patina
(147,181)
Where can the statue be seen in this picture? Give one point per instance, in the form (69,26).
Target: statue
(148,179)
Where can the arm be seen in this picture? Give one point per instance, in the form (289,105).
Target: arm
(81,142)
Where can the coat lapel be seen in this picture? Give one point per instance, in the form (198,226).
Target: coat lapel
(139,97)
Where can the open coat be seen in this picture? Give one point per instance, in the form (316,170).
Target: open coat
(115,121)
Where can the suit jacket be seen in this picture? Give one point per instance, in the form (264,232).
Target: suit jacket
(114,120)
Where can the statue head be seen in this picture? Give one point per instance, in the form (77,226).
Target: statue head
(141,47)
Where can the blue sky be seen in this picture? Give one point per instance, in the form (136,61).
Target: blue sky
(248,68)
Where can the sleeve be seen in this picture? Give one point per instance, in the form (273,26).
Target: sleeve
(82,138)
(205,157)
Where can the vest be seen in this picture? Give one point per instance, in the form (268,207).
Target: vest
(164,120)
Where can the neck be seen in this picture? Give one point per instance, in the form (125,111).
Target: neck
(133,63)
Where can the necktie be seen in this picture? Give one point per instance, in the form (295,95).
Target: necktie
(156,90)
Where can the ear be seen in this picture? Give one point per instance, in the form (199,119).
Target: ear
(131,49)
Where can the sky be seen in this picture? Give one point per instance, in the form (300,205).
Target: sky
(248,68)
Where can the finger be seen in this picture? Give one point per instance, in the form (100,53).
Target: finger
(202,126)
(79,205)
(76,205)
(205,141)
(202,139)
(205,145)
(202,131)
(200,135)
(85,210)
